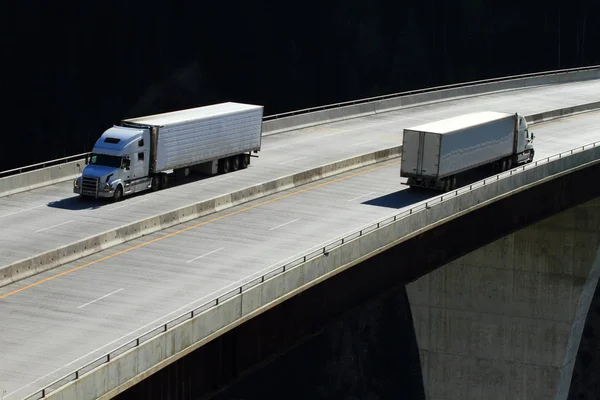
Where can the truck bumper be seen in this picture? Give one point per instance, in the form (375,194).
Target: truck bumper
(425,183)
(101,194)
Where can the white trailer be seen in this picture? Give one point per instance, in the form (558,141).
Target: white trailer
(436,153)
(139,153)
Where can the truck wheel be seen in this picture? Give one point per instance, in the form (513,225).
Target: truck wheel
(118,194)
(155,183)
(235,163)
(531,154)
(164,181)
(243,161)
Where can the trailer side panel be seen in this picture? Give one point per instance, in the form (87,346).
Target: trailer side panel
(475,146)
(209,138)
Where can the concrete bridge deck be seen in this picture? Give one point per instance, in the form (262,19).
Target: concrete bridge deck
(113,296)
(65,317)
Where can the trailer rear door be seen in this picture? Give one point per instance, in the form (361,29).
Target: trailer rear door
(420,154)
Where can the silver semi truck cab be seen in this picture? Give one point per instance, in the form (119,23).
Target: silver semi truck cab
(523,149)
(119,163)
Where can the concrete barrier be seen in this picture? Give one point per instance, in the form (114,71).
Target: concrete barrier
(51,259)
(54,258)
(30,180)
(192,330)
(562,112)
(38,178)
(325,116)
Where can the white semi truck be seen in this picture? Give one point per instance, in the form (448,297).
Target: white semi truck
(138,154)
(436,153)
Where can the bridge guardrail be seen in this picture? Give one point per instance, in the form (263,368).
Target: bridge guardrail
(323,249)
(273,117)
(41,165)
(426,90)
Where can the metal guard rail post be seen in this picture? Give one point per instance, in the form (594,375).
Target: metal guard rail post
(343,104)
(424,205)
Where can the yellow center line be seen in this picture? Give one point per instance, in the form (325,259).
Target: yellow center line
(194,227)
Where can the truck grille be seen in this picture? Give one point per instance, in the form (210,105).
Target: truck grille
(89,186)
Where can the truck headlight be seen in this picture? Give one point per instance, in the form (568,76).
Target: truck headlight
(76,183)
(107,187)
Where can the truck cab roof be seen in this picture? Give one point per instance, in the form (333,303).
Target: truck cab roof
(116,139)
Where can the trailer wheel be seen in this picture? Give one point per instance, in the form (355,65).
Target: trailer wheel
(225,165)
(235,163)
(446,185)
(243,161)
(453,182)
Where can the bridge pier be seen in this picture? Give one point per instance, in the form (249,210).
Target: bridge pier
(505,321)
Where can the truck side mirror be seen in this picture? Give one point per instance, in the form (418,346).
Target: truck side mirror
(86,159)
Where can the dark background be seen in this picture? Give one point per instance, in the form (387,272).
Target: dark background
(71,70)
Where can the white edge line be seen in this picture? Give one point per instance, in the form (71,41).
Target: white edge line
(362,195)
(209,181)
(54,226)
(128,204)
(284,224)
(289,161)
(358,144)
(204,255)
(26,209)
(100,298)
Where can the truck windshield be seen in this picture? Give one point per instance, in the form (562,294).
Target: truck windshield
(105,160)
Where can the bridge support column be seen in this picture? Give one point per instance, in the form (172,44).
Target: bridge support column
(505,321)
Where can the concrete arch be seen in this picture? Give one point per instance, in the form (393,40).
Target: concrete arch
(506,320)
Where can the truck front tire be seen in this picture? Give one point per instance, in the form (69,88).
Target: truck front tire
(118,195)
(155,183)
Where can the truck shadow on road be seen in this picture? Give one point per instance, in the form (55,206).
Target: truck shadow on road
(410,196)
(401,198)
(75,203)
